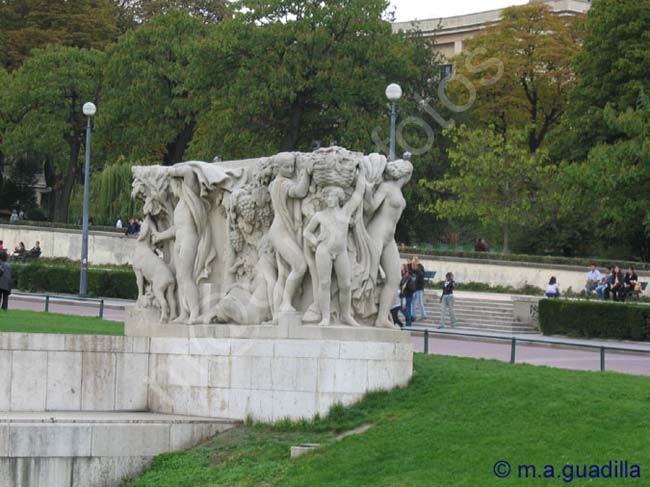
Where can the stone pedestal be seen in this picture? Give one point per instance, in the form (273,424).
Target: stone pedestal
(267,372)
(527,310)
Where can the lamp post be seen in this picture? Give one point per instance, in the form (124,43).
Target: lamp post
(89,110)
(393,93)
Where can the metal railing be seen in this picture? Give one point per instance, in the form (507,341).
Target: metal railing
(48,297)
(514,340)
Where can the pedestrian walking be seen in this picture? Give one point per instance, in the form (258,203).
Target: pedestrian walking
(394,311)
(407,289)
(447,301)
(417,269)
(6,281)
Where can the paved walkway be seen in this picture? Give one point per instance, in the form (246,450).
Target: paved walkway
(626,358)
(113,308)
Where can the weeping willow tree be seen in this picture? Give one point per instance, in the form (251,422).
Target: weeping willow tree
(111,194)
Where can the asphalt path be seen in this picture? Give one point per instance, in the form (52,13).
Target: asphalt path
(56,306)
(549,354)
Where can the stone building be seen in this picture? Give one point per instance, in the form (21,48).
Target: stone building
(451,32)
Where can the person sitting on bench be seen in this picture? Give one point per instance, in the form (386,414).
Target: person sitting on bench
(20,250)
(593,279)
(629,282)
(35,251)
(553,289)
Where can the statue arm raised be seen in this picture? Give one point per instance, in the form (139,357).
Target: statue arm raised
(357,197)
(375,200)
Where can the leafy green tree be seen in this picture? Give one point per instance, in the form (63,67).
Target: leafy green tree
(29,24)
(111,193)
(40,110)
(148,109)
(492,178)
(285,73)
(521,71)
(613,181)
(612,68)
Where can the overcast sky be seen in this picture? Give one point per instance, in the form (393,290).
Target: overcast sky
(430,9)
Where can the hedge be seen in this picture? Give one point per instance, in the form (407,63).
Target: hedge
(113,282)
(595,319)
(530,259)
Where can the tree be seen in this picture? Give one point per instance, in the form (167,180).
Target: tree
(286,73)
(29,24)
(612,68)
(615,177)
(40,109)
(493,178)
(521,70)
(148,110)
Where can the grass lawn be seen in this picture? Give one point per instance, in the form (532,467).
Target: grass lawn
(40,322)
(457,418)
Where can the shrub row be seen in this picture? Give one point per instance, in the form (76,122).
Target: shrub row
(116,282)
(531,259)
(593,319)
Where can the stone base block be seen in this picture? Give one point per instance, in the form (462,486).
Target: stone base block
(259,372)
(91,449)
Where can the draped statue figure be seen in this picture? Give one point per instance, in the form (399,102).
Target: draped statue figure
(246,241)
(286,229)
(192,183)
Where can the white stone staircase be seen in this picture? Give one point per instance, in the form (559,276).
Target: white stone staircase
(476,311)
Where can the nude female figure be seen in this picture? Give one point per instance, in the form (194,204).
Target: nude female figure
(194,252)
(386,205)
(283,231)
(331,246)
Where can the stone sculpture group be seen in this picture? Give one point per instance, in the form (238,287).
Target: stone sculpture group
(249,233)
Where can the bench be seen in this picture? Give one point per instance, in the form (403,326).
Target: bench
(429,275)
(637,294)
(24,257)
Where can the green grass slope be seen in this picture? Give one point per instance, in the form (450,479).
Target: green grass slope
(39,322)
(448,428)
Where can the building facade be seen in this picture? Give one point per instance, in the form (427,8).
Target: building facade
(451,32)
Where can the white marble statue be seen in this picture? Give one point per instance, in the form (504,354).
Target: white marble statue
(331,246)
(286,229)
(306,232)
(386,205)
(150,269)
(192,184)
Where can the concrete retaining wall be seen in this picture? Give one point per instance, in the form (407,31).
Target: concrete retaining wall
(103,247)
(43,372)
(268,378)
(515,274)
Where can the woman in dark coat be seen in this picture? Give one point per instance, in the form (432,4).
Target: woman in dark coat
(617,284)
(629,281)
(5,281)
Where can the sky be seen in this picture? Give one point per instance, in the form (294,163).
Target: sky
(430,9)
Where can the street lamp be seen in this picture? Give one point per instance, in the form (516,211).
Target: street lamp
(393,93)
(89,110)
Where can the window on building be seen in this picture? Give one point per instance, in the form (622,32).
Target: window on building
(446,70)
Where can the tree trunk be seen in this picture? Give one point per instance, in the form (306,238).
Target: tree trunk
(290,138)
(58,200)
(506,238)
(177,148)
